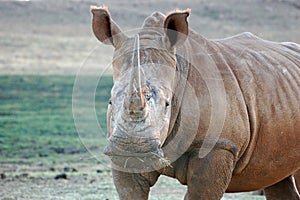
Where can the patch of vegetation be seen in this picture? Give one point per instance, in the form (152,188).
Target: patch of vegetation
(36,117)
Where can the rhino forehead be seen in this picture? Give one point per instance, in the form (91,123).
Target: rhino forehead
(154,20)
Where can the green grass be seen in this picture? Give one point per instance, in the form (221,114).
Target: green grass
(36,117)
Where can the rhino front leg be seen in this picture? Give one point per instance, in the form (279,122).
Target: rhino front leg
(285,189)
(208,177)
(133,185)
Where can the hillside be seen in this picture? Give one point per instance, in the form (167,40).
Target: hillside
(42,37)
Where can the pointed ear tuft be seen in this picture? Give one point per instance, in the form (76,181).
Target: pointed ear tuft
(104,28)
(176,27)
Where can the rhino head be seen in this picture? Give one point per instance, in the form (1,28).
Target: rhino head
(144,69)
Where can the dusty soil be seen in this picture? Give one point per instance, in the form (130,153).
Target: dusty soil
(40,182)
(19,181)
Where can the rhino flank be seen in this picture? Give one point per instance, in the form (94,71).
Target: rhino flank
(162,84)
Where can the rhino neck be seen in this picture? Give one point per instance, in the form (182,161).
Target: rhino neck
(182,72)
(174,126)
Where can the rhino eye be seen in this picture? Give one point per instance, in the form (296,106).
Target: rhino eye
(167,103)
(109,102)
(148,96)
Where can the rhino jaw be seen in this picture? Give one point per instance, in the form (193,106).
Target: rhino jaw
(136,160)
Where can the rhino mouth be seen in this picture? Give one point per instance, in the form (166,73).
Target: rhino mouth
(150,158)
(112,151)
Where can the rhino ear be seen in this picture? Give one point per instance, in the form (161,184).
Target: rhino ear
(104,28)
(176,27)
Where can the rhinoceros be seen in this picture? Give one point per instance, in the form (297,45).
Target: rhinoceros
(218,115)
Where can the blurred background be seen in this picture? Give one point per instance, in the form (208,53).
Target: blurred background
(50,37)
(44,44)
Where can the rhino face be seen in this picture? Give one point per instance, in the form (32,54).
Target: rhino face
(139,112)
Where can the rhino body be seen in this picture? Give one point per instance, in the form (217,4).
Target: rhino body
(259,142)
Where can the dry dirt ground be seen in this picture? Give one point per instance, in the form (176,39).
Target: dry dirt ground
(36,182)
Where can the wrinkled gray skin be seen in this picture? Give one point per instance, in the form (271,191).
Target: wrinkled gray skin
(258,147)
